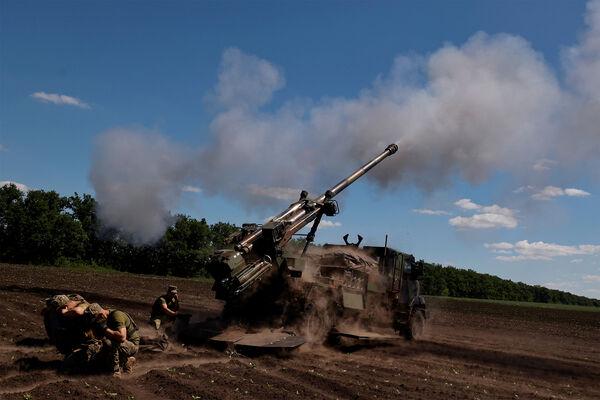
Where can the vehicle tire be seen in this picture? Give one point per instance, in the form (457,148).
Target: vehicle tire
(318,322)
(416,326)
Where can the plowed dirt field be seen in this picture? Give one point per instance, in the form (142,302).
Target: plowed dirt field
(471,350)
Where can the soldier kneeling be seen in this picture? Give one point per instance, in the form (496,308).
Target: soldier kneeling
(123,337)
(165,308)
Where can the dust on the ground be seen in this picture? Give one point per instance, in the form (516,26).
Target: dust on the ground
(473,350)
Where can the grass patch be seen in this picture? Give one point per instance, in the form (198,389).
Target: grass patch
(76,265)
(83,267)
(556,306)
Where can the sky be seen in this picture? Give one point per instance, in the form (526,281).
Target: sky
(226,110)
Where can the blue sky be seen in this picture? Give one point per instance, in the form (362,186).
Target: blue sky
(106,89)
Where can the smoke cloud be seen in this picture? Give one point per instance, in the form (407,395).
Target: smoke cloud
(138,176)
(483,108)
(580,141)
(246,81)
(491,104)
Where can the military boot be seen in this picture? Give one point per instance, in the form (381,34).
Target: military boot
(129,364)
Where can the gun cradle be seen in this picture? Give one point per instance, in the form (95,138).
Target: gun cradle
(233,274)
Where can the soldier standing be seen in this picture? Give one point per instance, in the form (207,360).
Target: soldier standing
(122,334)
(165,308)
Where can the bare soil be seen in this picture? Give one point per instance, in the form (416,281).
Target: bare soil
(471,350)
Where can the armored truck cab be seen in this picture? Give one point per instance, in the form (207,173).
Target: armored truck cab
(354,291)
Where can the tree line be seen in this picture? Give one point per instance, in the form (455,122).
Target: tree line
(456,282)
(43,227)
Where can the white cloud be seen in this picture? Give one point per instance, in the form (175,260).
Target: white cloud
(60,99)
(326,223)
(278,193)
(576,192)
(514,258)
(23,188)
(502,251)
(550,192)
(577,261)
(499,246)
(192,189)
(426,211)
(543,164)
(593,293)
(484,221)
(487,217)
(591,278)
(552,249)
(496,209)
(566,285)
(522,189)
(3,147)
(467,204)
(525,250)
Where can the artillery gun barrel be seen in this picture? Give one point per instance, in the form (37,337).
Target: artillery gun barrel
(344,183)
(299,217)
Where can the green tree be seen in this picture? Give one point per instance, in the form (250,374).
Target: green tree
(219,233)
(50,231)
(185,247)
(455,282)
(83,210)
(12,214)
(38,227)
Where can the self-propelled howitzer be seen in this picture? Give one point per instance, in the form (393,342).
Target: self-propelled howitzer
(257,249)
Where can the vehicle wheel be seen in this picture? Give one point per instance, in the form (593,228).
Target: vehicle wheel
(416,326)
(317,323)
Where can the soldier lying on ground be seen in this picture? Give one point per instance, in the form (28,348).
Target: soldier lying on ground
(75,307)
(165,308)
(123,337)
(64,321)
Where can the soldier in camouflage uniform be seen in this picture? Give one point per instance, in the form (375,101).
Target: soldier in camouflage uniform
(165,308)
(70,329)
(75,307)
(89,356)
(65,322)
(122,337)
(51,317)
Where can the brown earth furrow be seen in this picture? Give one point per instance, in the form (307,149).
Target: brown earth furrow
(471,350)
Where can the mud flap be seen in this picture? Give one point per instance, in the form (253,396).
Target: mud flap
(255,342)
(363,335)
(350,339)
